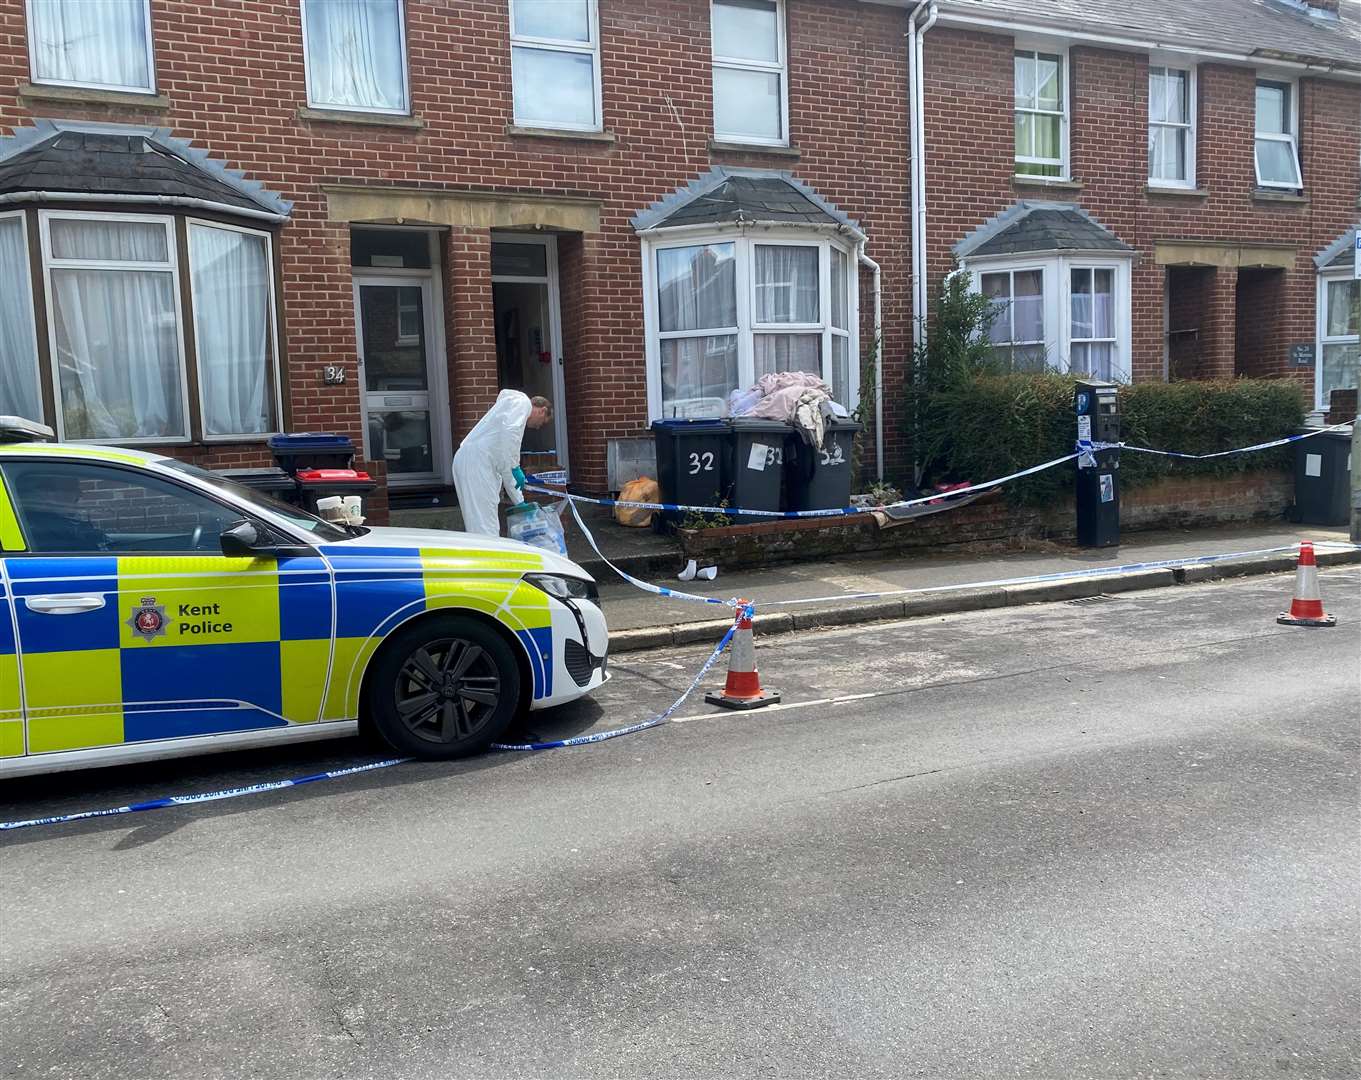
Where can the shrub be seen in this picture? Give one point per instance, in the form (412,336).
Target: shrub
(993,425)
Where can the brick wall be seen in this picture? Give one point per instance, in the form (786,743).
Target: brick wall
(232,74)
(969,145)
(1177,502)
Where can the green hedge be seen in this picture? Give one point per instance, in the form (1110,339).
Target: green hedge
(993,425)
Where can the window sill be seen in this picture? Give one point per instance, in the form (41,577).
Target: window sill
(720,146)
(1045,183)
(80,95)
(1263,196)
(604,138)
(367,119)
(1177,192)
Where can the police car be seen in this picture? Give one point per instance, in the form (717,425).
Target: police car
(150,608)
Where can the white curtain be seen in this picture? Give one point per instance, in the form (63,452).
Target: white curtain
(788,352)
(230,275)
(697,287)
(91,41)
(354,54)
(116,333)
(698,374)
(18,348)
(786,284)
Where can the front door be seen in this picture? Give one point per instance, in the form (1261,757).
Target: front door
(524,275)
(395,330)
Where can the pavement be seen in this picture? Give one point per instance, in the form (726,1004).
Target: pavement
(957,580)
(1112,839)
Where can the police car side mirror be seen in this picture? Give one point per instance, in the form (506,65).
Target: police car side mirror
(242,540)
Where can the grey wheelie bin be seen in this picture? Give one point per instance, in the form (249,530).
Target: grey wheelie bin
(756,464)
(821,479)
(690,463)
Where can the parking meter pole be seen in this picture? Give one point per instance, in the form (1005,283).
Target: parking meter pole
(1098,471)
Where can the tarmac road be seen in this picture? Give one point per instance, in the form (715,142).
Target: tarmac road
(1113,838)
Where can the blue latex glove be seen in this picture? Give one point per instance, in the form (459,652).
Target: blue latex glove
(519,475)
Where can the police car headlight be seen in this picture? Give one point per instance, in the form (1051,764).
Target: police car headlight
(565,588)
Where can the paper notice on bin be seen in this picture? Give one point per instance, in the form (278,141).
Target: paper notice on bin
(1313,464)
(757,458)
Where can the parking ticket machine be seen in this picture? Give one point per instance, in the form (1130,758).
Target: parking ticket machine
(1098,470)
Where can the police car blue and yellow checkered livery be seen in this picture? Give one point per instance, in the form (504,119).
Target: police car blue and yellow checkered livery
(150,608)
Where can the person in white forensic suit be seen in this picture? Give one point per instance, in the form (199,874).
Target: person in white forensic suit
(488,460)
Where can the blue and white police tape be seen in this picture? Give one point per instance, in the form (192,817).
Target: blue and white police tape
(210,796)
(656,721)
(332,774)
(1283,441)
(646,586)
(840,511)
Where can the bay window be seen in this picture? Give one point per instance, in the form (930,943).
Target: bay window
(97,44)
(132,328)
(355,55)
(555,64)
(750,79)
(1275,152)
(723,311)
(1171,127)
(1339,334)
(1041,114)
(19,392)
(1066,313)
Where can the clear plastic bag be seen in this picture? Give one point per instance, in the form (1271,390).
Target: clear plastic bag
(541,526)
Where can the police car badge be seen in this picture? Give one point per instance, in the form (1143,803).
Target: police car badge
(149,621)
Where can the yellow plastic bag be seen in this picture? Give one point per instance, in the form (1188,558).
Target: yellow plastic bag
(644,489)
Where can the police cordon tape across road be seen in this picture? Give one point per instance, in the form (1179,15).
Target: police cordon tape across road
(744,611)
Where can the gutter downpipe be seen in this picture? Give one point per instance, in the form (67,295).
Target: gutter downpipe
(916,38)
(865,260)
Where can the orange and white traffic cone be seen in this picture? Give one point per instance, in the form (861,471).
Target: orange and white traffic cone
(743,688)
(1306,607)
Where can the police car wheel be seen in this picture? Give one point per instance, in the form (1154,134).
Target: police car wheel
(446,687)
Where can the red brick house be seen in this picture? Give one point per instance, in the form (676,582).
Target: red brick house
(223,218)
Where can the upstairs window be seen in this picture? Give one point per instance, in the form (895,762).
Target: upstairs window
(1171,131)
(1278,163)
(750,81)
(555,64)
(1041,114)
(355,54)
(98,44)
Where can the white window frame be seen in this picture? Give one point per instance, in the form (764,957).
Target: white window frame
(27,288)
(780,68)
(1047,289)
(1064,113)
(369,109)
(149,89)
(1158,64)
(273,334)
(745,284)
(1057,285)
(591,49)
(1291,138)
(45,218)
(1321,337)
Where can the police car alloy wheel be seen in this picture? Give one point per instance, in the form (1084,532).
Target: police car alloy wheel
(444,688)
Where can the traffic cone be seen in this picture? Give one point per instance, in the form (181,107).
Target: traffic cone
(743,688)
(1306,607)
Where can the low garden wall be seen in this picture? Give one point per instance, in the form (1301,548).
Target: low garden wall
(1168,502)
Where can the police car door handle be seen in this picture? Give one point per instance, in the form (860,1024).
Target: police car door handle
(64,605)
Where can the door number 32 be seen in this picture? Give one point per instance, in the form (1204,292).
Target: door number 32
(701,463)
